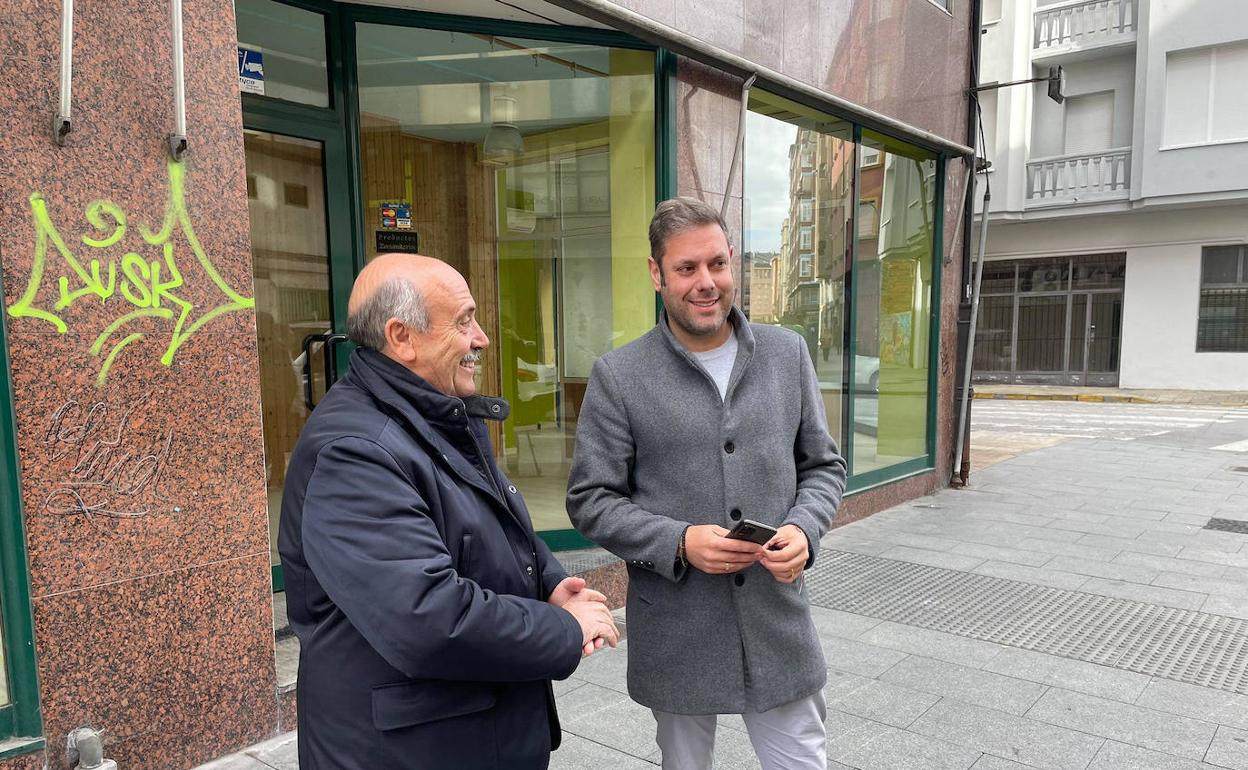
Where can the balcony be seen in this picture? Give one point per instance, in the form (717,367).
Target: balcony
(1082,28)
(1085,178)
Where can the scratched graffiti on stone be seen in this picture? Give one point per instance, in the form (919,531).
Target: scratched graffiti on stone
(133,279)
(112,469)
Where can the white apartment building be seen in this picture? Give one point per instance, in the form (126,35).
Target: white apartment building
(1119,218)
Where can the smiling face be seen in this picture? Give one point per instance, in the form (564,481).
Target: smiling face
(695,280)
(447,353)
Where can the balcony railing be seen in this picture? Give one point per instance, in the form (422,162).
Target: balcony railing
(1090,176)
(1083,22)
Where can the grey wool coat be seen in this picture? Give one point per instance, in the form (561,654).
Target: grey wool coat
(657,450)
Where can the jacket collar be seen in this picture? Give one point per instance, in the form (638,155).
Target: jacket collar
(745,347)
(415,399)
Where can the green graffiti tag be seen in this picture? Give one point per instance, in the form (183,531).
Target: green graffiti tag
(149,286)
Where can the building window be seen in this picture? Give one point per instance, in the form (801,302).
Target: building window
(991,11)
(1204,95)
(804,238)
(1223,320)
(807,208)
(871,157)
(286,46)
(295,195)
(803,269)
(868,218)
(1089,123)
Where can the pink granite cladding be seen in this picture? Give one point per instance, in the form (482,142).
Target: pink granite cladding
(35,760)
(159,470)
(178,668)
(287,711)
(143,497)
(907,59)
(611,580)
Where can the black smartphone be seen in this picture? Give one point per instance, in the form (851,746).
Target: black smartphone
(752,531)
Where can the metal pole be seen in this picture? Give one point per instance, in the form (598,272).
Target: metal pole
(177,141)
(63,124)
(970,340)
(736,151)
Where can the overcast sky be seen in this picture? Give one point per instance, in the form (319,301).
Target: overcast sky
(767,143)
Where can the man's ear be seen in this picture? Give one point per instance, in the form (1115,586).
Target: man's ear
(656,274)
(400,342)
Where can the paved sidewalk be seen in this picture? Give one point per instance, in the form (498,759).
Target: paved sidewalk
(1068,610)
(1112,395)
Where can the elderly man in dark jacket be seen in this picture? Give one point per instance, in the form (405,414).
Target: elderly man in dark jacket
(705,421)
(430,617)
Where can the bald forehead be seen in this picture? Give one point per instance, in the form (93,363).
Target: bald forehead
(425,273)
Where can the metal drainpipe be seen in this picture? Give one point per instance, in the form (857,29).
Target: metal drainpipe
(736,151)
(86,744)
(177,140)
(63,123)
(961,459)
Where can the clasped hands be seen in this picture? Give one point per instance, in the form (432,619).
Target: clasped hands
(784,556)
(591,612)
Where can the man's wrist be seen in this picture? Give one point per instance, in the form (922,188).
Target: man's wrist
(682,558)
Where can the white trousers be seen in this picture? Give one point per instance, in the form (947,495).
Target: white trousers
(789,737)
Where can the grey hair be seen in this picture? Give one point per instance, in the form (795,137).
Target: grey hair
(396,298)
(678,215)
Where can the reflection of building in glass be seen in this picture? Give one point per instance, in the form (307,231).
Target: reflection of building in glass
(757,295)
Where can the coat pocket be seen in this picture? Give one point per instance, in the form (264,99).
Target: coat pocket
(464,565)
(407,704)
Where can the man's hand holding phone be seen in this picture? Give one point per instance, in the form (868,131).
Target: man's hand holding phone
(707,549)
(786,554)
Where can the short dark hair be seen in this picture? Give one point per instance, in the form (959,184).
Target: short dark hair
(678,215)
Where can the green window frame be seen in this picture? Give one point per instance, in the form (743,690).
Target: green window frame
(21,724)
(926,463)
(346,211)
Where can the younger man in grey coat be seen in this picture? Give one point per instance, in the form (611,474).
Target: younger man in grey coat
(705,420)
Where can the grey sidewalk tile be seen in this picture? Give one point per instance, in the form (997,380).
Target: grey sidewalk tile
(1229,749)
(1069,674)
(577,753)
(733,751)
(1083,552)
(883,702)
(1124,722)
(855,656)
(279,754)
(854,544)
(564,686)
(1129,544)
(989,762)
(1114,527)
(1006,735)
(1119,756)
(1029,517)
(1138,592)
(1037,575)
(1226,605)
(1168,564)
(1104,569)
(1195,541)
(1192,519)
(846,625)
(606,668)
(926,542)
(235,762)
(932,644)
(1200,553)
(1003,553)
(949,680)
(1203,703)
(1211,586)
(610,718)
(933,558)
(893,749)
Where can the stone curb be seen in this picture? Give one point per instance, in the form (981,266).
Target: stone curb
(1067,397)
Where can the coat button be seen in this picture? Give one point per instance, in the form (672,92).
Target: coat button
(739,579)
(735,514)
(455,411)
(729,447)
(512,488)
(496,408)
(528,570)
(649,565)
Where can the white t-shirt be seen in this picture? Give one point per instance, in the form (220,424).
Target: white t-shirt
(718,363)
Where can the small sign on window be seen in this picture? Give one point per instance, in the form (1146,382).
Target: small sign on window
(250,71)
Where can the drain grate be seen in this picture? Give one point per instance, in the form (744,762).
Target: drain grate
(1183,645)
(1228,525)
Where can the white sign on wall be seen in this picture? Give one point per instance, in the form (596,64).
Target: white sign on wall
(250,71)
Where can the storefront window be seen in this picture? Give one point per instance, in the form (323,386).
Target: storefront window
(797,233)
(893,301)
(529,166)
(281,52)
